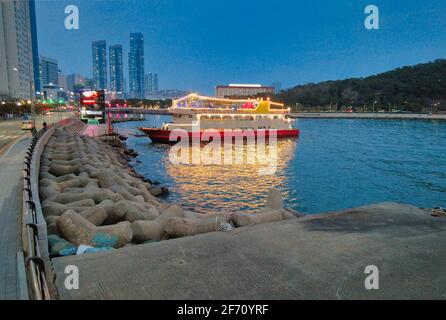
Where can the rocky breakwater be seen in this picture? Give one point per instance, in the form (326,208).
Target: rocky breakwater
(92,200)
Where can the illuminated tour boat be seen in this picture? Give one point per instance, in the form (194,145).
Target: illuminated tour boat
(204,117)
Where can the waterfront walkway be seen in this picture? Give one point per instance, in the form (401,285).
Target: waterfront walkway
(12,281)
(314,257)
(13,144)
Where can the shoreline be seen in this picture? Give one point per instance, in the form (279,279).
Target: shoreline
(368,115)
(310,115)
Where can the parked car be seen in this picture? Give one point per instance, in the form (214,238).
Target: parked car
(27,125)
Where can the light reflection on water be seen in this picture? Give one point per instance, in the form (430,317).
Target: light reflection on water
(216,186)
(335,164)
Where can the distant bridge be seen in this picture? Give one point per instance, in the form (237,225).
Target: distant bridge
(138,111)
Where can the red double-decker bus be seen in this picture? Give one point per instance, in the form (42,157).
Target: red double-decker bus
(92,105)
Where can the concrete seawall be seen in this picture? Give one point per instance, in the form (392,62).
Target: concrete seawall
(314,257)
(90,196)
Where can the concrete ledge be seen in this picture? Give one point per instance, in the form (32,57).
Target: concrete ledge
(314,257)
(35,169)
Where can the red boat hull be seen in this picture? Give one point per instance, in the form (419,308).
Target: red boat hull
(163,136)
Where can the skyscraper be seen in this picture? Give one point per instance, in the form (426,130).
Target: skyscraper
(49,71)
(277,86)
(33,23)
(155,83)
(136,66)
(16,49)
(99,54)
(148,82)
(74,80)
(62,79)
(116,69)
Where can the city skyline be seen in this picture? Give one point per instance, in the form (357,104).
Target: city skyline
(301,42)
(428,55)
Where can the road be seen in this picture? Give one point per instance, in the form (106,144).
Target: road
(10,130)
(11,164)
(13,144)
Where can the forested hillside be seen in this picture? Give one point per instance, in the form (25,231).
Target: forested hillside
(413,88)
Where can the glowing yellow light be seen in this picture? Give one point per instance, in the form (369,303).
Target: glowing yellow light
(195,96)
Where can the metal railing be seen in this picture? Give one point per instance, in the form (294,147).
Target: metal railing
(34,261)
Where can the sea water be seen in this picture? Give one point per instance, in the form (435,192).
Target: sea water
(333,165)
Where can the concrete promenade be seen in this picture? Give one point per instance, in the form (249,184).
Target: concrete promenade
(13,144)
(369,115)
(314,257)
(11,165)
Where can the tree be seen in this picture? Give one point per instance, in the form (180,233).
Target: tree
(411,88)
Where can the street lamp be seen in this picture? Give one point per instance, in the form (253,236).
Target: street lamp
(31,95)
(435,104)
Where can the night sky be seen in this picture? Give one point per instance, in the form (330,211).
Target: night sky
(197,44)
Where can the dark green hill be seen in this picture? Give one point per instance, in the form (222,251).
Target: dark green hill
(417,88)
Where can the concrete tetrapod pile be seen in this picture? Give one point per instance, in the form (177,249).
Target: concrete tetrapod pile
(90,197)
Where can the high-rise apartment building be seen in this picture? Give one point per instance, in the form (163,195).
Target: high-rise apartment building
(136,66)
(49,71)
(74,80)
(34,44)
(99,55)
(16,49)
(116,70)
(63,83)
(155,83)
(151,85)
(148,83)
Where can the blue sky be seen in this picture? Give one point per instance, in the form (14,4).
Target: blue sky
(197,44)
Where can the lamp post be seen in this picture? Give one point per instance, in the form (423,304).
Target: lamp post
(33,119)
(435,104)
